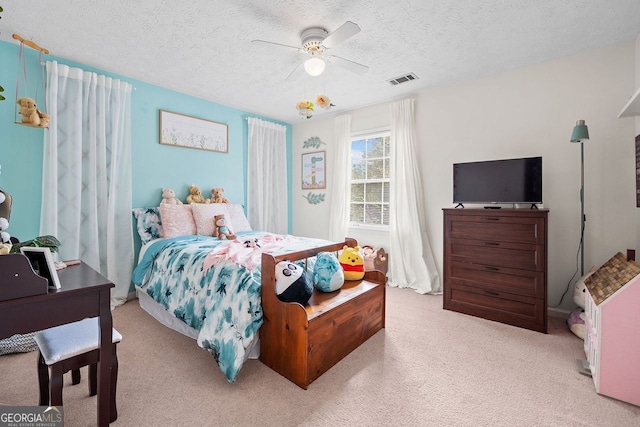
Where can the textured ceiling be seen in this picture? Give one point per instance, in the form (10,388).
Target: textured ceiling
(203,48)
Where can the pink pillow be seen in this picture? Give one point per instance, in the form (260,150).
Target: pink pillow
(203,216)
(238,218)
(177,220)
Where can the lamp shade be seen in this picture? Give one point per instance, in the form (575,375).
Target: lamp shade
(580,132)
(314,66)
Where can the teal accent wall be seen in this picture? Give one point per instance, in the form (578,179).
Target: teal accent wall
(154,165)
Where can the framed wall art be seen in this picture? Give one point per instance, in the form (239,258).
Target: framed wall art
(313,170)
(42,263)
(186,131)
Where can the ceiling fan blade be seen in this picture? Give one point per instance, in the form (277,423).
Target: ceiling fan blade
(348,29)
(277,44)
(295,73)
(347,65)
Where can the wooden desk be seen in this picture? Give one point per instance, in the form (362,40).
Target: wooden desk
(83,293)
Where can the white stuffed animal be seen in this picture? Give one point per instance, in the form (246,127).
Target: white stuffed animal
(576,319)
(4,236)
(169,197)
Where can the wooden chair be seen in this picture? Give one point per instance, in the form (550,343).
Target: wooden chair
(68,348)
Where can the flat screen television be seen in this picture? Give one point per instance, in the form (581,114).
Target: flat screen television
(498,181)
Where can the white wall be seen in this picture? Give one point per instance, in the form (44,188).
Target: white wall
(526,112)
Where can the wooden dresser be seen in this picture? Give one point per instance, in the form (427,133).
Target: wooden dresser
(495,265)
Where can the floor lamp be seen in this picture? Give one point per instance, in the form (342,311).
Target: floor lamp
(580,134)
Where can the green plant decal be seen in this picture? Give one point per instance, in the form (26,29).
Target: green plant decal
(314,198)
(313,142)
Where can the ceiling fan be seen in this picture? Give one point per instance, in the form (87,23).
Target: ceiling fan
(316,41)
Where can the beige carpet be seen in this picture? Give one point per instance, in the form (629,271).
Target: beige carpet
(429,367)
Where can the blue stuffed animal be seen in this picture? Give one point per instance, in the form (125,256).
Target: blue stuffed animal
(327,273)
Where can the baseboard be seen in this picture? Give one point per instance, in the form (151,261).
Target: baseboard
(557,312)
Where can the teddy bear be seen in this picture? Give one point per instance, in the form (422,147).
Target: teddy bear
(221,230)
(29,111)
(195,195)
(352,263)
(169,197)
(44,119)
(217,196)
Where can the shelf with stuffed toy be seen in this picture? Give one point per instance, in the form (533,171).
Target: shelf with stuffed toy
(30,113)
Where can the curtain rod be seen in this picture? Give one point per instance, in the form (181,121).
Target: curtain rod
(31,44)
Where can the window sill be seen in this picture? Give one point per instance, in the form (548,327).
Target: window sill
(369,227)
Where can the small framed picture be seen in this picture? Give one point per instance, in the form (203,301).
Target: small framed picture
(42,264)
(313,170)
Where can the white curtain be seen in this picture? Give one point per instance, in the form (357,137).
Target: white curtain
(267,206)
(339,188)
(412,264)
(86,179)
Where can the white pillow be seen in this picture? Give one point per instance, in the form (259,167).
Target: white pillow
(177,220)
(238,218)
(203,216)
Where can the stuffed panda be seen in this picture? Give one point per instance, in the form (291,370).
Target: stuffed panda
(292,283)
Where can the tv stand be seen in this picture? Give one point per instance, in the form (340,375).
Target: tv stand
(459,205)
(534,206)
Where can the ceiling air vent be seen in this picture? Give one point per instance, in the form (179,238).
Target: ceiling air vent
(402,79)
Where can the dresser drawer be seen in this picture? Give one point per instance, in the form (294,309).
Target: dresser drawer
(526,312)
(500,279)
(498,254)
(497,228)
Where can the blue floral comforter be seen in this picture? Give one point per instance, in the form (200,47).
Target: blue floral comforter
(221,301)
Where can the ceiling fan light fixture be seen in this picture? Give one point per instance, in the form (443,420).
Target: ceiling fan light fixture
(314,66)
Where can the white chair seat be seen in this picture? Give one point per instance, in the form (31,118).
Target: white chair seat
(72,339)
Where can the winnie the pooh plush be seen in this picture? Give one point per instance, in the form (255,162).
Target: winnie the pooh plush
(195,195)
(221,230)
(352,263)
(217,196)
(169,197)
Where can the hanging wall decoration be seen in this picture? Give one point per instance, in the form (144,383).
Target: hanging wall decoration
(313,142)
(323,101)
(28,107)
(314,198)
(305,109)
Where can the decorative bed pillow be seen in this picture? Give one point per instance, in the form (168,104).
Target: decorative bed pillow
(204,215)
(238,218)
(148,223)
(177,220)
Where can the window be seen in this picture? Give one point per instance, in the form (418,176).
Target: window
(369,204)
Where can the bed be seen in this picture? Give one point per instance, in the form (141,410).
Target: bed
(204,287)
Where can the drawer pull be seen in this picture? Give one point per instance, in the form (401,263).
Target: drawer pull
(491,243)
(490,218)
(495,294)
(486,267)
